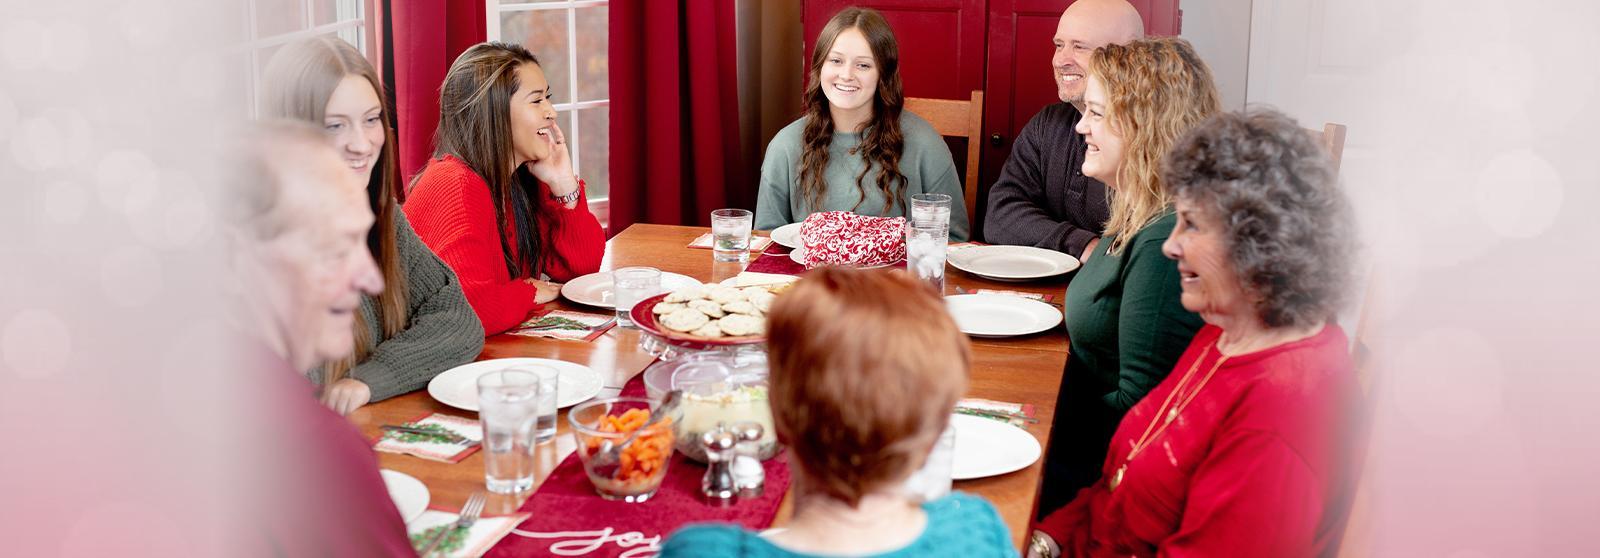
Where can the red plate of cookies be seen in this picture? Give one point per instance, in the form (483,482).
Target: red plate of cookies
(708,316)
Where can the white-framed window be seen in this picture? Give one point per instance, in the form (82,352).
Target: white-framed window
(569,37)
(270,24)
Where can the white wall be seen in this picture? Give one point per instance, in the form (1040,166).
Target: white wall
(1220,31)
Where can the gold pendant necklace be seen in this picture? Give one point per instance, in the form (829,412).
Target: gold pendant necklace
(1165,415)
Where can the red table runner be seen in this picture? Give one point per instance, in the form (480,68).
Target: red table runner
(569,519)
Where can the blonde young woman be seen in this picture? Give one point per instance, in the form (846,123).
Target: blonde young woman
(421,324)
(856,149)
(1123,315)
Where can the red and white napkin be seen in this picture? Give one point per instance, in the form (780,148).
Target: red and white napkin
(844,238)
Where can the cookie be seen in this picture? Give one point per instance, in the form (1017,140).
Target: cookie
(709,308)
(762,301)
(708,330)
(687,319)
(723,295)
(668,307)
(686,294)
(739,325)
(739,307)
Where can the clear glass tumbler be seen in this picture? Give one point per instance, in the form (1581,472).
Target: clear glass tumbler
(508,409)
(730,235)
(929,210)
(629,285)
(544,428)
(926,251)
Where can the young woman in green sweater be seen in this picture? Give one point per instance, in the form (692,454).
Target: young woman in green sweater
(855,149)
(421,324)
(1124,319)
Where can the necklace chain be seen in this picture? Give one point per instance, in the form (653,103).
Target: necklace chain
(1164,416)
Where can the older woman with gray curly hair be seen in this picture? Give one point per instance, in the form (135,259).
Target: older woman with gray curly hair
(1240,451)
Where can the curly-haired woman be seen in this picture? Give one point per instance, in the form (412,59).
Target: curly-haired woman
(1240,451)
(855,149)
(1124,322)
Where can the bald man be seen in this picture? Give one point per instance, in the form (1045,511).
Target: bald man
(1042,198)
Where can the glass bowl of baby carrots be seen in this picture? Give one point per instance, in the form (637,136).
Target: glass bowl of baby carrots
(640,466)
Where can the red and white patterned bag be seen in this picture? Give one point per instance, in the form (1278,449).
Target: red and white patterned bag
(844,238)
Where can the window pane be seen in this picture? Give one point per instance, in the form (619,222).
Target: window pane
(594,148)
(276,17)
(544,33)
(329,11)
(591,40)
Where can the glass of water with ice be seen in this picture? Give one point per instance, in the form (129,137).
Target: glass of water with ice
(629,286)
(926,248)
(730,235)
(930,210)
(508,409)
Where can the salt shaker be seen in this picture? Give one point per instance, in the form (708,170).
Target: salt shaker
(721,447)
(747,472)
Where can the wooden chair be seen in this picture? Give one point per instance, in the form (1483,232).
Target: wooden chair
(1331,136)
(960,119)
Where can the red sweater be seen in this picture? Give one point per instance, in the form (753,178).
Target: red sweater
(451,209)
(1255,465)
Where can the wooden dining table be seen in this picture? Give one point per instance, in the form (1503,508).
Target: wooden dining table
(1024,369)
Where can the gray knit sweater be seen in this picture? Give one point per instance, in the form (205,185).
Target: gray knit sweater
(443,331)
(925,161)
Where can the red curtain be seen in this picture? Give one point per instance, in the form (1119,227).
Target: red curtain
(428,36)
(674,113)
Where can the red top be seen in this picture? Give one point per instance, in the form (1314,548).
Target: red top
(1255,465)
(451,209)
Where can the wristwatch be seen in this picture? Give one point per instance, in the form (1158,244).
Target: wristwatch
(1040,545)
(570,196)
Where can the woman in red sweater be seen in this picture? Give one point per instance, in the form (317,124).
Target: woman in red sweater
(1244,450)
(499,202)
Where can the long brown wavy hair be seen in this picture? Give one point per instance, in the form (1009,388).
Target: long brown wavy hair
(881,142)
(475,127)
(1157,89)
(297,85)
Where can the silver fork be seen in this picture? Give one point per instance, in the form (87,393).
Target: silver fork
(469,515)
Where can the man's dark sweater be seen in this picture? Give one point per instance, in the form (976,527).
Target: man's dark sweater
(1042,198)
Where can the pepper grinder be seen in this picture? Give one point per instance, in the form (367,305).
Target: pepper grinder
(747,472)
(718,486)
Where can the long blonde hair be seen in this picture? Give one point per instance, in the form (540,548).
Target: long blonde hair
(299,81)
(1156,90)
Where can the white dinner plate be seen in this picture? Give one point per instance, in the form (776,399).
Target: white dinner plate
(787,235)
(458,387)
(1012,263)
(799,257)
(987,447)
(996,315)
(594,289)
(408,493)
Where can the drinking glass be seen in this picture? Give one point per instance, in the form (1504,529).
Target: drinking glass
(930,210)
(544,428)
(730,235)
(630,285)
(926,250)
(933,480)
(508,408)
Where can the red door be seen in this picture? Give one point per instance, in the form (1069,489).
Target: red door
(950,47)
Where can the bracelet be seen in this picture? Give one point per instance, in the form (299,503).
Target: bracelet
(570,196)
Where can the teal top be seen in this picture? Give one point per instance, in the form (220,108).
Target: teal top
(924,160)
(959,526)
(1125,321)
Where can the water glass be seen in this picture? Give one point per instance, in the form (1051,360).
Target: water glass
(730,235)
(926,250)
(630,285)
(933,480)
(544,428)
(508,408)
(930,210)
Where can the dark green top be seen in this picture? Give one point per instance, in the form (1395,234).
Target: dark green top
(1126,324)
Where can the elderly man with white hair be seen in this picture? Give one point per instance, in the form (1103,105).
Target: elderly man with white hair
(1042,197)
